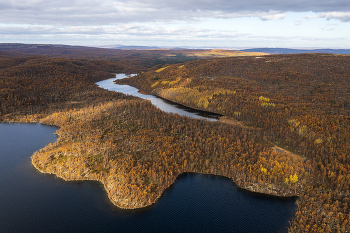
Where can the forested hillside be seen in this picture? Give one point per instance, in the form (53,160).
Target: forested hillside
(137,59)
(31,86)
(299,102)
(137,151)
(272,103)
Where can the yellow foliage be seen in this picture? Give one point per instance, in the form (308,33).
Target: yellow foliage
(161,69)
(154,84)
(318,140)
(237,114)
(264,170)
(168,82)
(194,96)
(180,67)
(286,181)
(267,104)
(293,179)
(203,102)
(263,99)
(176,81)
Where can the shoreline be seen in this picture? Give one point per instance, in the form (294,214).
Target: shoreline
(110,197)
(251,187)
(141,91)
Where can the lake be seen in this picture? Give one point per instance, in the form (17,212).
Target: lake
(34,202)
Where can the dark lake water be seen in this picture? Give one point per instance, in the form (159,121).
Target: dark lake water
(34,202)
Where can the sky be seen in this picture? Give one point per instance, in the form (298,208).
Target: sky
(170,23)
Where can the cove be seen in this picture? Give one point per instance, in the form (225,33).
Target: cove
(167,106)
(34,202)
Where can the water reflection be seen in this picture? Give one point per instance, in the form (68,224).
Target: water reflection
(165,105)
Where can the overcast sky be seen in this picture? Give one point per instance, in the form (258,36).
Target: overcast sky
(198,23)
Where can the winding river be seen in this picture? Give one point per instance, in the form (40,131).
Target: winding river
(162,104)
(34,202)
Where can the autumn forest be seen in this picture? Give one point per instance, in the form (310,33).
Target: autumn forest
(284,131)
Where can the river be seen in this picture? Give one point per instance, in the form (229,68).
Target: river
(162,104)
(34,202)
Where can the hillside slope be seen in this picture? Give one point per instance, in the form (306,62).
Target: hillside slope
(300,103)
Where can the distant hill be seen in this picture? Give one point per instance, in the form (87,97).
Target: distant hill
(293,51)
(129,47)
(148,54)
(260,50)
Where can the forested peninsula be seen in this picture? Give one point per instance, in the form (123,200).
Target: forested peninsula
(296,102)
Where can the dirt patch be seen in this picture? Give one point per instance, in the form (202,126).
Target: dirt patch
(67,146)
(288,153)
(233,121)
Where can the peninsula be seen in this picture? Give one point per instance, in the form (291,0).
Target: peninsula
(285,130)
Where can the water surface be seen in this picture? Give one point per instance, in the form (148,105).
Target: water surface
(34,202)
(162,104)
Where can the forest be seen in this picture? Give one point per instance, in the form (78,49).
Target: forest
(136,59)
(285,130)
(299,102)
(34,86)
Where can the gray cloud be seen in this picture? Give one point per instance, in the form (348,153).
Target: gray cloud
(140,22)
(342,16)
(250,5)
(119,31)
(128,32)
(107,12)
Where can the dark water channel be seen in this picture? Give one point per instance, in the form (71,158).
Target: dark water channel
(35,202)
(162,104)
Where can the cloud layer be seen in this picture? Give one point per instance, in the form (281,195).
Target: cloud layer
(342,16)
(137,34)
(106,12)
(176,23)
